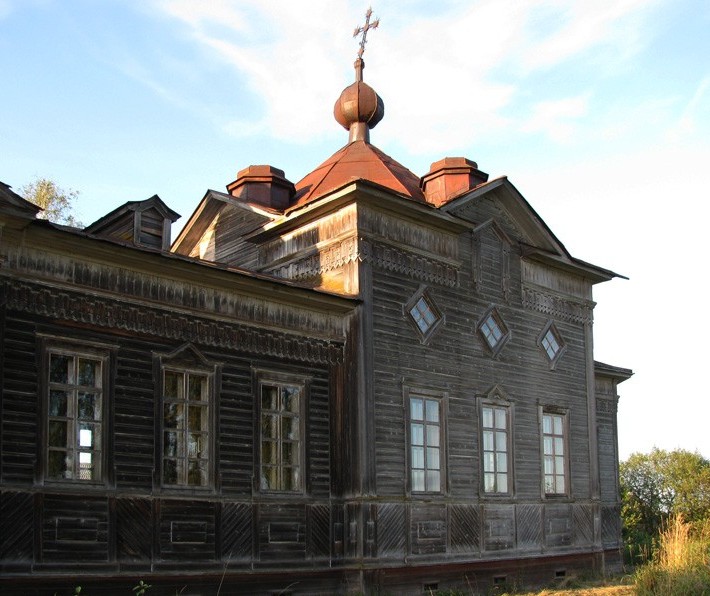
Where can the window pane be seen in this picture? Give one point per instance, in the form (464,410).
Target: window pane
(88,372)
(57,433)
(488,440)
(173,385)
(560,484)
(489,462)
(268,452)
(500,418)
(432,455)
(417,434)
(296,477)
(416,409)
(86,467)
(289,453)
(549,484)
(197,473)
(501,441)
(432,410)
(59,369)
(291,399)
(502,462)
(172,415)
(269,428)
(418,457)
(432,435)
(195,445)
(549,465)
(418,480)
(269,398)
(197,418)
(269,478)
(88,406)
(487,417)
(57,464)
(197,388)
(170,471)
(170,444)
(86,435)
(433,481)
(489,482)
(502,483)
(558,424)
(547,445)
(289,428)
(559,446)
(546,424)
(57,403)
(559,465)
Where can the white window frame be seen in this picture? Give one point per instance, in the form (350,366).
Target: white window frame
(490,445)
(423,449)
(555,466)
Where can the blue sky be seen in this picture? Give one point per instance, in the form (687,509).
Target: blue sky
(599,112)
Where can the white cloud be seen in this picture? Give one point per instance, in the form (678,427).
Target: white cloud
(556,118)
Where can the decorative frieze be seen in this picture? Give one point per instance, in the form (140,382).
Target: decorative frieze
(417,266)
(556,306)
(329,258)
(184,327)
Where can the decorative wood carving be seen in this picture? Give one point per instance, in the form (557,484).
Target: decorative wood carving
(102,312)
(557,306)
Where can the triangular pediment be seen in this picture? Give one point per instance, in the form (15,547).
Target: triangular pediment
(501,202)
(204,219)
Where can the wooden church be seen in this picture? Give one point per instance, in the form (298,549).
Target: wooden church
(367,382)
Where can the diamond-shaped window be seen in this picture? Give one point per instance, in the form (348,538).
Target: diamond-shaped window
(423,313)
(493,330)
(551,343)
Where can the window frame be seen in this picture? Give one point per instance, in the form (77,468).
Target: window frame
(422,293)
(550,327)
(442,401)
(563,414)
(496,398)
(186,360)
(492,312)
(75,348)
(279,379)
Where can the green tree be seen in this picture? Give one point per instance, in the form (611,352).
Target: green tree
(660,484)
(57,203)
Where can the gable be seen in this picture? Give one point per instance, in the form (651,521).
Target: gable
(217,227)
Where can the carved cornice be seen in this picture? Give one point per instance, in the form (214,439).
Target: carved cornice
(184,327)
(390,258)
(556,306)
(329,258)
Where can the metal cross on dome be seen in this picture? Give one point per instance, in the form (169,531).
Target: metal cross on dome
(364,30)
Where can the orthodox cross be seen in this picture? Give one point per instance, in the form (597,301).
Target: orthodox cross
(364,30)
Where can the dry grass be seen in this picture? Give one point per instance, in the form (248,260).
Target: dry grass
(609,587)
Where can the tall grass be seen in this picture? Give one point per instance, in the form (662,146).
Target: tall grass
(681,562)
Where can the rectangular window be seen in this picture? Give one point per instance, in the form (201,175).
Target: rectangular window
(425,444)
(494,431)
(554,454)
(186,428)
(281,440)
(75,405)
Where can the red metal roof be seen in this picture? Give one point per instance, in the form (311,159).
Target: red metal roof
(358,161)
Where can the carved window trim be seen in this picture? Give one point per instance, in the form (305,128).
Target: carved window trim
(492,331)
(549,339)
(269,379)
(421,441)
(496,400)
(555,466)
(419,309)
(54,414)
(185,364)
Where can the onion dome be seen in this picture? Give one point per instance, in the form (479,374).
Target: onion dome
(359,108)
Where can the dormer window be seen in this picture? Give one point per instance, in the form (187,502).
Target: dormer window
(493,330)
(424,314)
(551,343)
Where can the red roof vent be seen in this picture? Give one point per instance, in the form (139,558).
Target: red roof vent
(450,177)
(264,185)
